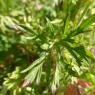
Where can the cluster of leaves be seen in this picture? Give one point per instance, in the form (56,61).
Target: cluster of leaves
(45,44)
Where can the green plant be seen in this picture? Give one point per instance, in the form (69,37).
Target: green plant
(47,41)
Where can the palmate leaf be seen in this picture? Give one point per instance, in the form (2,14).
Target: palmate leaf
(35,63)
(47,37)
(33,73)
(83,26)
(73,53)
(84,53)
(79,52)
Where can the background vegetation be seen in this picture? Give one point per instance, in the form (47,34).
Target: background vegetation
(45,45)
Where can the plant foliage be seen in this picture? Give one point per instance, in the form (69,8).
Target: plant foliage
(44,45)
